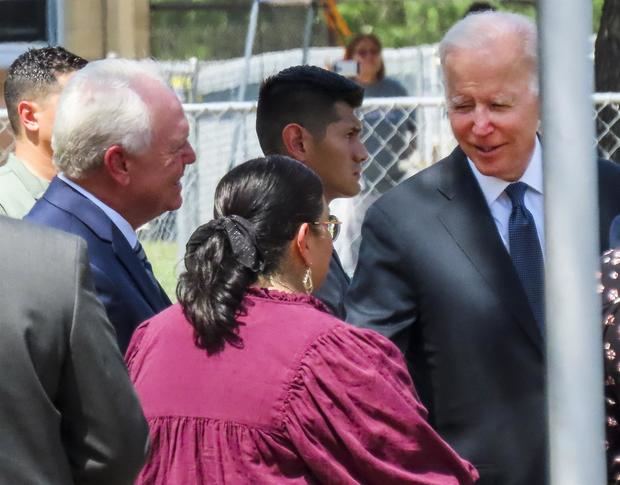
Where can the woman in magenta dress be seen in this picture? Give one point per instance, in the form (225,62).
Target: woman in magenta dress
(249,380)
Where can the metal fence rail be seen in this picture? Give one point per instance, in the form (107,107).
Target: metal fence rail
(403,135)
(416,68)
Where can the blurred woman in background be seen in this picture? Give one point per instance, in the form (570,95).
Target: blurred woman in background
(366,49)
(390,136)
(248,379)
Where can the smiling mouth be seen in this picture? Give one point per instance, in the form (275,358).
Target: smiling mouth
(487,149)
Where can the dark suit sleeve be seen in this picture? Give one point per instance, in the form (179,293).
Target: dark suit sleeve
(103,428)
(609,203)
(380,296)
(333,289)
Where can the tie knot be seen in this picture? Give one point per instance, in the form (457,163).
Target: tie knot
(516,192)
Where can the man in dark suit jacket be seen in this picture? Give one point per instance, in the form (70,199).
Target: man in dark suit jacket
(435,271)
(68,412)
(121,145)
(307,113)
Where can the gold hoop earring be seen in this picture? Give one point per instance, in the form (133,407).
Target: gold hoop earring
(307,281)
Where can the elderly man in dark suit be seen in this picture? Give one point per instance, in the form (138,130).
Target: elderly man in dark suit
(451,261)
(307,113)
(68,412)
(121,145)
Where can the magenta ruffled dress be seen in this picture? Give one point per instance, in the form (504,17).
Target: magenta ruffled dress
(306,399)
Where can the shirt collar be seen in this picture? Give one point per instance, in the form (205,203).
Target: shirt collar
(119,221)
(34,184)
(493,187)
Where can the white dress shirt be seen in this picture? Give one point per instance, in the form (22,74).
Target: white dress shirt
(499,202)
(119,221)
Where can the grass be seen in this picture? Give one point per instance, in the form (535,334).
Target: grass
(166,263)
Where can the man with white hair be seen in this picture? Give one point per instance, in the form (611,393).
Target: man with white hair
(120,143)
(451,262)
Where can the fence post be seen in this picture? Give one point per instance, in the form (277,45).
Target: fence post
(310,14)
(574,335)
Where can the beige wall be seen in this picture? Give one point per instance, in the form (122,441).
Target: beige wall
(94,28)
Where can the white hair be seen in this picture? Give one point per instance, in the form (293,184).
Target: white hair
(100,107)
(481,29)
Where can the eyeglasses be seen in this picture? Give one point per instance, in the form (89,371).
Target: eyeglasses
(332,224)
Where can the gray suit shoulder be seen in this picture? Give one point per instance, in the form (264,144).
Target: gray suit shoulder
(71,413)
(45,241)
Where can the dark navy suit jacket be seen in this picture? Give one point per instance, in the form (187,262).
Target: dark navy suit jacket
(614,233)
(333,289)
(434,275)
(121,281)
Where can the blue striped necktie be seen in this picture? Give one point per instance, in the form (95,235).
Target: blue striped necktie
(525,251)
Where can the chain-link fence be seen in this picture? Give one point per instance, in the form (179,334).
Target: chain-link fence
(403,135)
(416,68)
(6,136)
(607,108)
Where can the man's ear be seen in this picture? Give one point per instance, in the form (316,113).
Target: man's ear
(294,139)
(27,112)
(116,164)
(303,244)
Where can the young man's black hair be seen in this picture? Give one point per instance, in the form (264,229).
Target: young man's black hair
(34,74)
(31,91)
(305,95)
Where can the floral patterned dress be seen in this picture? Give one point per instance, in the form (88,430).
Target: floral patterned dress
(610,288)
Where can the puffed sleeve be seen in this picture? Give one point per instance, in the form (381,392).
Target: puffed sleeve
(132,359)
(354,417)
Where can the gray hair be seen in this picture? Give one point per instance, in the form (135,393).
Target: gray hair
(481,29)
(100,107)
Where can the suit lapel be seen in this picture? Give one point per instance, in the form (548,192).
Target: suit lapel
(66,198)
(468,219)
(69,200)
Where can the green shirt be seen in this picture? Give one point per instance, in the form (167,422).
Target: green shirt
(19,188)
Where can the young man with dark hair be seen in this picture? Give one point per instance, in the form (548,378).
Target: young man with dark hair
(307,113)
(31,90)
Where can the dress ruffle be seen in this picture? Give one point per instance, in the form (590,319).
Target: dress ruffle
(285,296)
